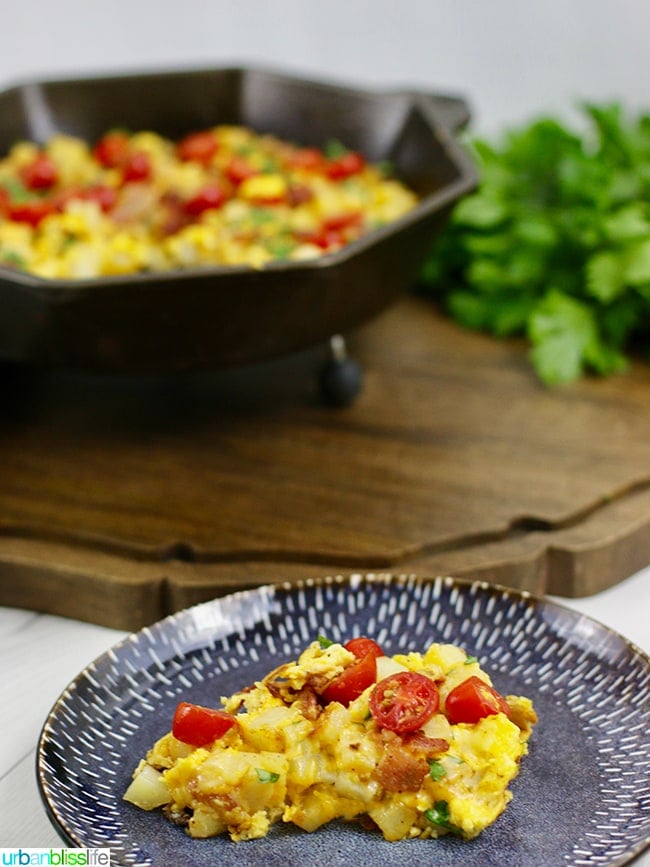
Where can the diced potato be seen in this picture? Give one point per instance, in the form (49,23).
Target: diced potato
(393,819)
(205,822)
(148,789)
(386,666)
(267,730)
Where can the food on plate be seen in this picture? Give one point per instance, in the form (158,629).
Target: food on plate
(137,202)
(415,744)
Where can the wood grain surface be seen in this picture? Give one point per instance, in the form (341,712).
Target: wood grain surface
(124,499)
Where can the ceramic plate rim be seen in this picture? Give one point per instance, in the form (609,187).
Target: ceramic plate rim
(268,592)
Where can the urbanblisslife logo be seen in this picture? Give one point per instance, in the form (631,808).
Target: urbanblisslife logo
(55,857)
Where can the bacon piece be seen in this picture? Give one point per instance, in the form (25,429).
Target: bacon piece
(405,760)
(308,703)
(399,770)
(430,748)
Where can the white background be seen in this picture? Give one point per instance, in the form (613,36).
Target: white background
(512,58)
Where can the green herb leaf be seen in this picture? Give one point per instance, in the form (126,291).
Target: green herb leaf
(18,193)
(266,776)
(436,770)
(480,211)
(333,149)
(637,272)
(261,216)
(14,260)
(470,660)
(324,642)
(386,168)
(561,329)
(555,243)
(281,247)
(605,275)
(439,815)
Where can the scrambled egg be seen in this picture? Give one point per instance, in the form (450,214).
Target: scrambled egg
(139,202)
(292,753)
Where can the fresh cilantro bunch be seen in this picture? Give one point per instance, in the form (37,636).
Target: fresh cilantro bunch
(555,243)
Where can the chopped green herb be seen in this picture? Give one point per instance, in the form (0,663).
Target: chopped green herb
(333,149)
(386,168)
(439,815)
(281,247)
(436,770)
(17,192)
(261,216)
(267,776)
(8,257)
(324,642)
(470,660)
(555,243)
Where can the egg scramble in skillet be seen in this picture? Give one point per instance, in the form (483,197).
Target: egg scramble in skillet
(416,745)
(140,202)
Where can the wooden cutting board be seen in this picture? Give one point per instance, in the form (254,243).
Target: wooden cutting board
(122,500)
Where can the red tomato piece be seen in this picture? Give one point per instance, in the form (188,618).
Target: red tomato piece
(362,646)
(238,170)
(472,700)
(352,681)
(198,147)
(137,167)
(342,221)
(350,163)
(106,197)
(404,701)
(210,197)
(112,149)
(31,212)
(309,159)
(5,201)
(197,725)
(323,239)
(40,173)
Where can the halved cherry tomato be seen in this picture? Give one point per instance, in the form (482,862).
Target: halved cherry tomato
(348,164)
(362,646)
(198,147)
(472,700)
(31,212)
(40,173)
(404,701)
(352,681)
(112,149)
(209,197)
(137,167)
(198,726)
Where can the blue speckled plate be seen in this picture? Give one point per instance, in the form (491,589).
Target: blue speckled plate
(582,796)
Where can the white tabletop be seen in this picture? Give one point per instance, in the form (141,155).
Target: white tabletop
(41,654)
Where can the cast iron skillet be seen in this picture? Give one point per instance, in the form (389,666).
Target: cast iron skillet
(212,317)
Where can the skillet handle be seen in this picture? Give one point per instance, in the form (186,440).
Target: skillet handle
(453,111)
